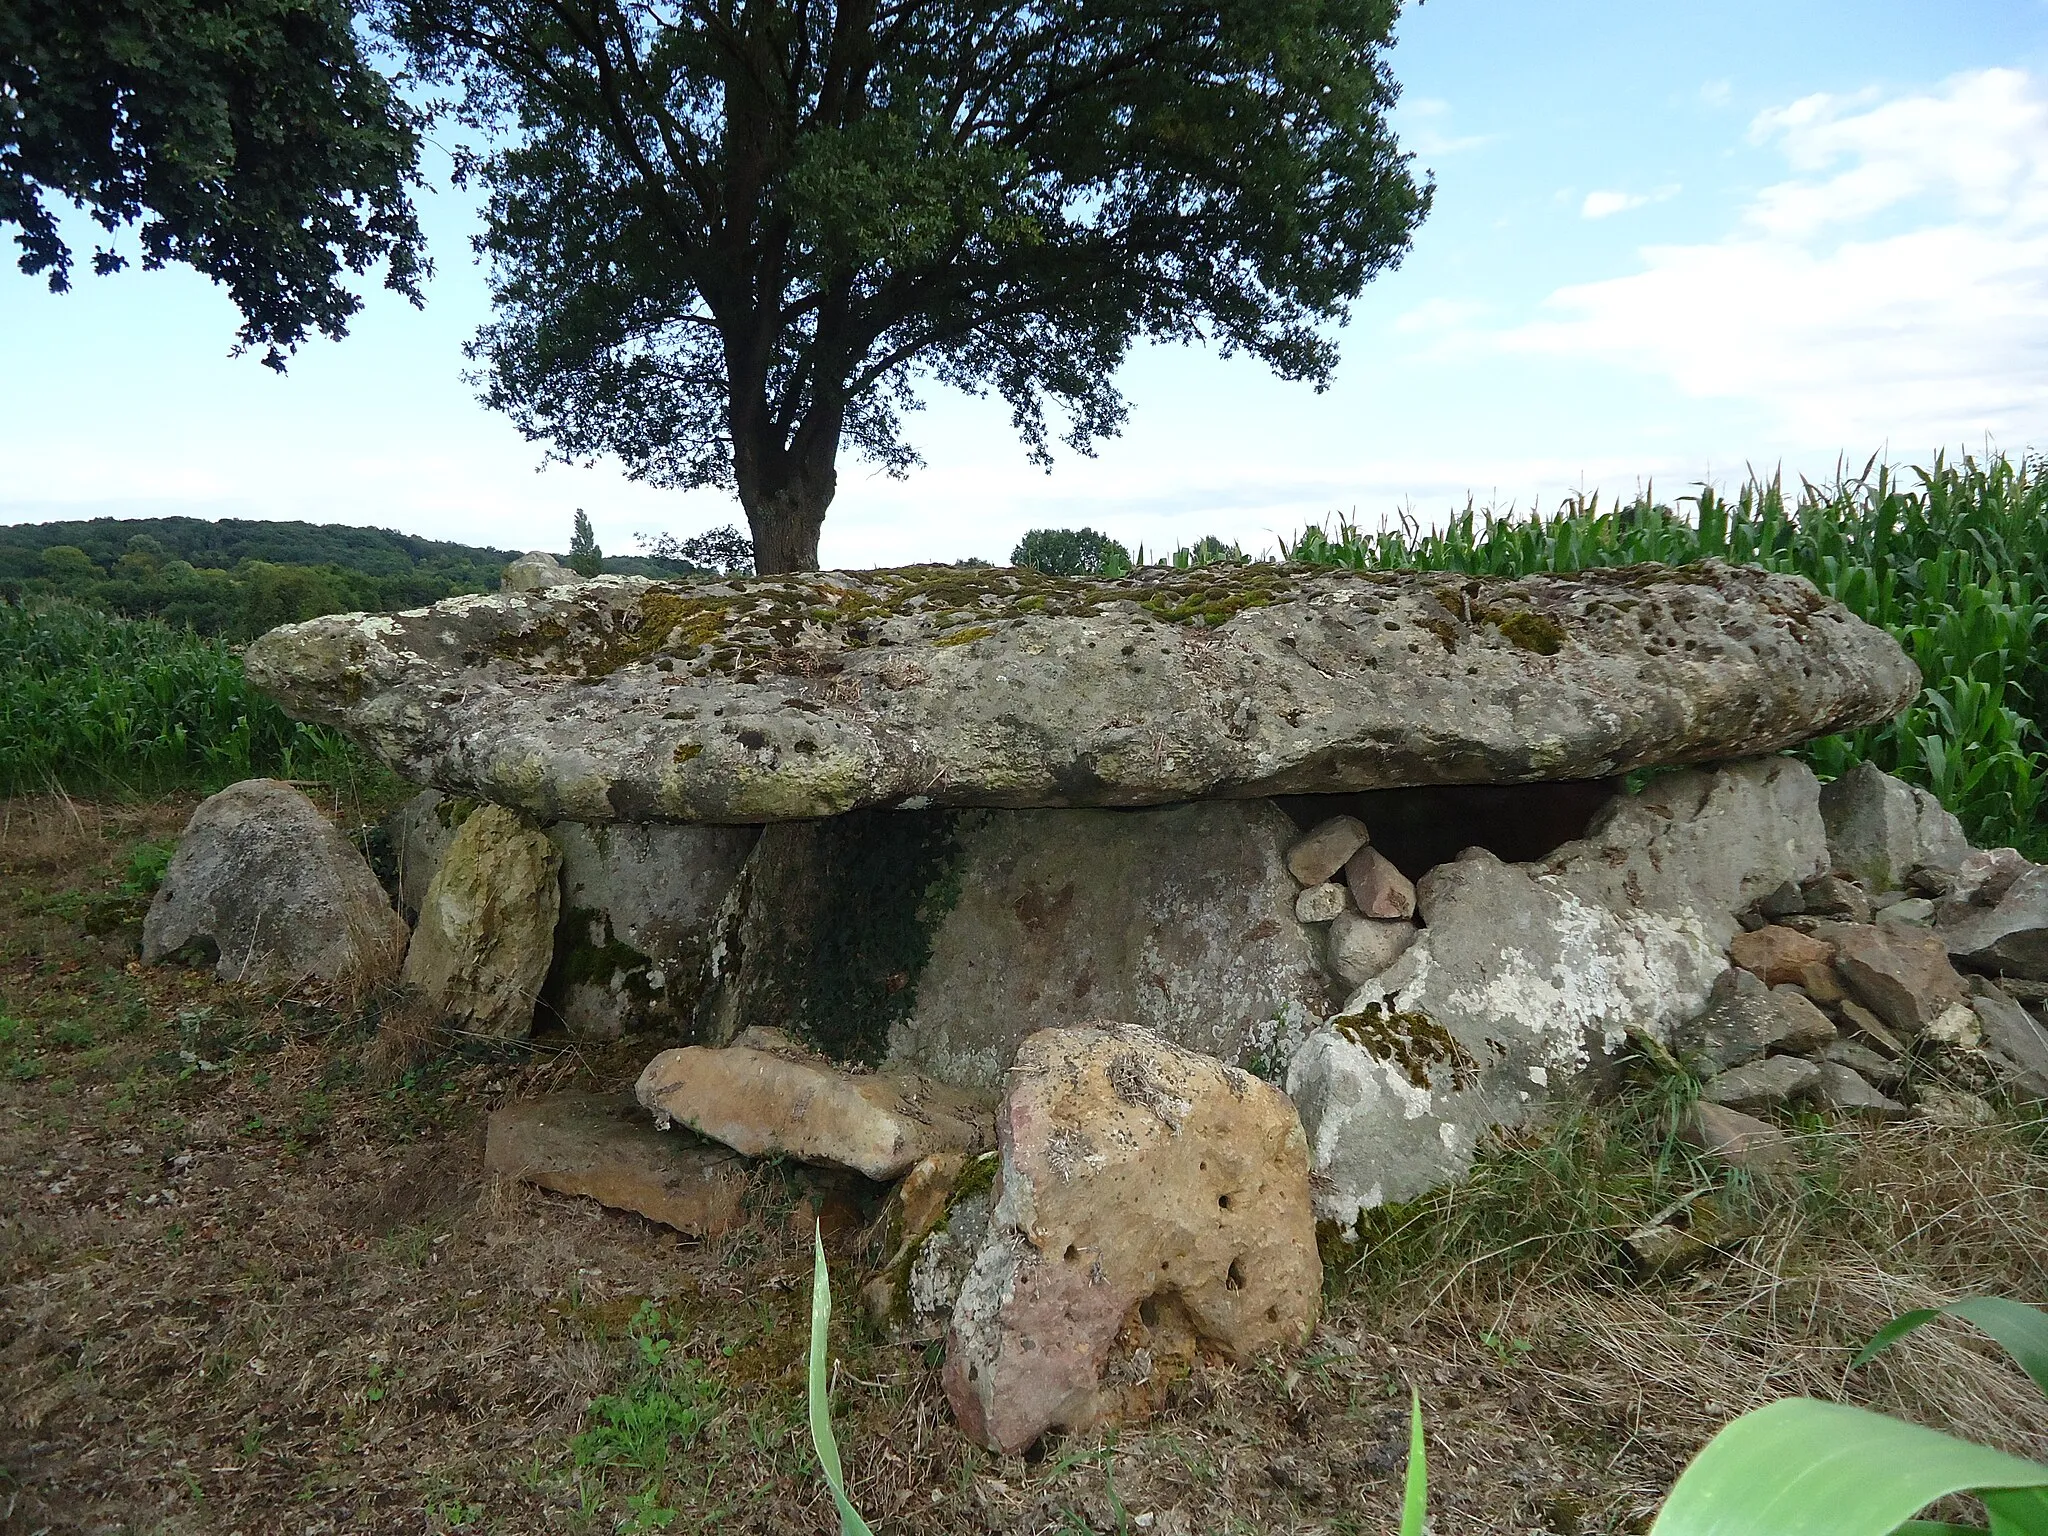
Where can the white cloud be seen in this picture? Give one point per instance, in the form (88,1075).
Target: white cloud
(1422,122)
(1716,93)
(1895,288)
(1601,205)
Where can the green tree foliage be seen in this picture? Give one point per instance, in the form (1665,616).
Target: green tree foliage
(1071,552)
(726,240)
(235,578)
(585,558)
(724,551)
(248,139)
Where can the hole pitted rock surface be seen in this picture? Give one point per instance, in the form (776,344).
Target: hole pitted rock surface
(1123,1150)
(807,695)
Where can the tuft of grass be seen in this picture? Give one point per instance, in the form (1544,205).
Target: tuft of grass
(1951,558)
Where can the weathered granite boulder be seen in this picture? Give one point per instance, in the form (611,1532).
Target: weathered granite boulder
(767,1097)
(602,1146)
(808,695)
(486,933)
(640,908)
(1524,972)
(277,894)
(1147,1193)
(935,941)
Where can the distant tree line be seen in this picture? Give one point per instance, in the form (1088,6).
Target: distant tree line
(235,578)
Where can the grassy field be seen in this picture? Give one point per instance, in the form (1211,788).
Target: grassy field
(96,704)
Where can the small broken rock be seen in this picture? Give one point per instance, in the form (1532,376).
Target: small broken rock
(1865,1063)
(1774,1080)
(1842,1089)
(1321,903)
(1380,889)
(1955,1028)
(1778,953)
(1806,1029)
(1899,972)
(1325,848)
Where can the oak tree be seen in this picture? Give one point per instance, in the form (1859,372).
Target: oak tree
(728,239)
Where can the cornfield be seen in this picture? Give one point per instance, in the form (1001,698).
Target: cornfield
(97,703)
(1952,559)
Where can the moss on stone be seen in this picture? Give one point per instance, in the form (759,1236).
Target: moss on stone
(848,907)
(1532,631)
(800,624)
(1412,1041)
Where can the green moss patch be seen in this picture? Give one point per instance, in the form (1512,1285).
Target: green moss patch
(1412,1041)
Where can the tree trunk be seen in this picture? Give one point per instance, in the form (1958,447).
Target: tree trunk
(785,491)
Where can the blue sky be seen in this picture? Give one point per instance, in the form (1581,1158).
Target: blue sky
(1668,241)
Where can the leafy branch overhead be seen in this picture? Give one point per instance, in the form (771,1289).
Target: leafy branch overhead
(249,139)
(726,239)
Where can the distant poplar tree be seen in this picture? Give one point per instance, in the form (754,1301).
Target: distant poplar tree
(585,558)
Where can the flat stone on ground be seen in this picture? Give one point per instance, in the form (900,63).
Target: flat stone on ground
(765,1103)
(603,1146)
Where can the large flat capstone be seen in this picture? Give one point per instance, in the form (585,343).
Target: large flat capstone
(789,697)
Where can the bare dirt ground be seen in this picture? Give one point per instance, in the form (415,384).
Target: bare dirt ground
(253,1279)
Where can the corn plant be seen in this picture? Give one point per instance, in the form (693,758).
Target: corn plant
(1801,1465)
(96,702)
(823,1441)
(1955,565)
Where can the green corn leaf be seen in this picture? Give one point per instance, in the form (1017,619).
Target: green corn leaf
(823,1441)
(1415,1498)
(1800,1465)
(2021,1330)
(2018,1511)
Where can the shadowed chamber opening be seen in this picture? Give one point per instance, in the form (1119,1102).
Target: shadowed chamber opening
(1418,829)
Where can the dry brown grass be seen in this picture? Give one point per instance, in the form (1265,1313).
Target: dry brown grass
(275,1292)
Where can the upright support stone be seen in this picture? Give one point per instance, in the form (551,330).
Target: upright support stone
(487,926)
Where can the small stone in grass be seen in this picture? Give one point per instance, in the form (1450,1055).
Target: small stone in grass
(1731,1137)
(1774,1080)
(1842,1089)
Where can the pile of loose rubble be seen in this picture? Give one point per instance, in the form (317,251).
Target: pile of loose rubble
(908,973)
